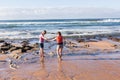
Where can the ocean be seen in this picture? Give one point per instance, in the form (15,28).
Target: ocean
(28,29)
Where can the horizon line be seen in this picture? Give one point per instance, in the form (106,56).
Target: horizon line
(54,19)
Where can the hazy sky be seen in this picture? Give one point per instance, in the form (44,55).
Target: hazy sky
(43,9)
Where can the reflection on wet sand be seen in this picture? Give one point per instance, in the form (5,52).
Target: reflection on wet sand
(60,67)
(42,65)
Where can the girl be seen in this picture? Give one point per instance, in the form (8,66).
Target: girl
(59,40)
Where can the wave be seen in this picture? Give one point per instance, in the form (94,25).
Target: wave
(52,33)
(31,29)
(109,20)
(74,21)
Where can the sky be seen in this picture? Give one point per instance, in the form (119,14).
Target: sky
(58,9)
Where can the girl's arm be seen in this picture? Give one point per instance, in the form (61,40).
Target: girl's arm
(53,39)
(44,38)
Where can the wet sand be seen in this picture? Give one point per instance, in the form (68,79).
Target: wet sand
(86,67)
(80,66)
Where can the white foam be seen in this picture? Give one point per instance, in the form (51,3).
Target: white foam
(109,20)
(29,29)
(37,23)
(4,34)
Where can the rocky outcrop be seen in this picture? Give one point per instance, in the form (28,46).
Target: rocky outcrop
(5,47)
(114,38)
(1,41)
(23,47)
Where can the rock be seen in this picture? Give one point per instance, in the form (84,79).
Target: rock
(23,50)
(36,45)
(86,46)
(116,46)
(5,48)
(1,41)
(16,56)
(110,37)
(114,39)
(14,48)
(17,51)
(0,51)
(71,44)
(22,47)
(28,47)
(81,40)
(5,44)
(25,43)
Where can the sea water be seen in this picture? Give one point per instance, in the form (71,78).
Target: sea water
(27,29)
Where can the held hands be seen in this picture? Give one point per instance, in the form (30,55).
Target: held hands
(52,39)
(49,40)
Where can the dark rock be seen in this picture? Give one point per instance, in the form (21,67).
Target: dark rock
(24,50)
(52,33)
(1,41)
(25,43)
(115,46)
(81,40)
(110,37)
(14,48)
(5,48)
(5,44)
(114,39)
(0,51)
(28,48)
(17,51)
(36,45)
(87,45)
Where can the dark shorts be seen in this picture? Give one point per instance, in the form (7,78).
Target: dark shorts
(41,45)
(60,45)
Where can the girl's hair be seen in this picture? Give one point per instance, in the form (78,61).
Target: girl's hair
(59,33)
(45,31)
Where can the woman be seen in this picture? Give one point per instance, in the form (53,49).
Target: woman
(59,40)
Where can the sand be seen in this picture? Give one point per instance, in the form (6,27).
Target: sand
(72,67)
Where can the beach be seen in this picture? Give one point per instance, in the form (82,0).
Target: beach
(91,51)
(71,68)
(93,59)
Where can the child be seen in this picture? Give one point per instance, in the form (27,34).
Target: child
(41,41)
(59,40)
